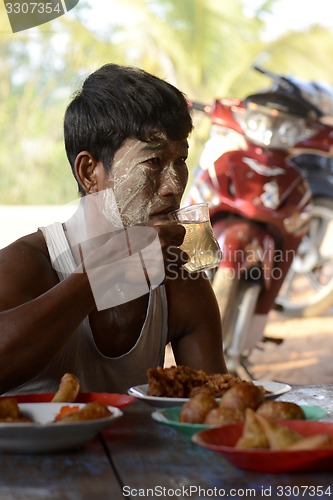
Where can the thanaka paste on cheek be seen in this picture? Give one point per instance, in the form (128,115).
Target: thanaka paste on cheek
(129,179)
(140,189)
(110,208)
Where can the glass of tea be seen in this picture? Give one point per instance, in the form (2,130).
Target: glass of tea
(199,243)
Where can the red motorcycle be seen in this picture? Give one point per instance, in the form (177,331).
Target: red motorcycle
(260,207)
(308,287)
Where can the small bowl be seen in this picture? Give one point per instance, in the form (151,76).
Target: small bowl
(170,416)
(223,439)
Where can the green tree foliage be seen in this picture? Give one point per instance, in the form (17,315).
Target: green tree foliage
(205,47)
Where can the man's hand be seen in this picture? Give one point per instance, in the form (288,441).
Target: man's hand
(122,263)
(171,235)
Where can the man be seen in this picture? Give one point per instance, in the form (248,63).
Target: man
(126,140)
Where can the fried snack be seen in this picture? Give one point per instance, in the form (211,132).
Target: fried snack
(22,419)
(278,437)
(261,432)
(175,381)
(10,412)
(9,408)
(196,408)
(184,382)
(65,410)
(253,433)
(90,411)
(202,390)
(68,390)
(224,416)
(243,395)
(218,384)
(314,442)
(281,410)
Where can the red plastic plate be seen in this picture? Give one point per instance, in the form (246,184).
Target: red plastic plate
(110,399)
(223,439)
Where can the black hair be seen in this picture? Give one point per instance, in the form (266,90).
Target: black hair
(120,102)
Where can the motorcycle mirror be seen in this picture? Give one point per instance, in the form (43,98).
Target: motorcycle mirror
(282,81)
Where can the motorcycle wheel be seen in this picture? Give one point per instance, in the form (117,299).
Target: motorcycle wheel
(237,299)
(308,287)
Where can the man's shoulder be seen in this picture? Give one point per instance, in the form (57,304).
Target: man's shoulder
(25,270)
(31,247)
(187,286)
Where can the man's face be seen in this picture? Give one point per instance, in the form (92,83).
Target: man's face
(148,179)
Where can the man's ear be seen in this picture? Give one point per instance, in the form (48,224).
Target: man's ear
(86,172)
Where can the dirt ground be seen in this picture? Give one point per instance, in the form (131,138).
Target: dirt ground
(304,357)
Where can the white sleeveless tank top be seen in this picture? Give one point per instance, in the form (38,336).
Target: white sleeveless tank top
(80,355)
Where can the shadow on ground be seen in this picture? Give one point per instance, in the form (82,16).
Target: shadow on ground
(304,357)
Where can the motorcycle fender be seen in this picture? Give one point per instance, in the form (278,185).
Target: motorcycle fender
(246,246)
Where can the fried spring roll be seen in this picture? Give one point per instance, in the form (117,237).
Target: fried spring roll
(68,390)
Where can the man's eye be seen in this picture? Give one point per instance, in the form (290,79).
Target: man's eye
(181,161)
(155,162)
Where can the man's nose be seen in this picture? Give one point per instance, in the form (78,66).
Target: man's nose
(171,183)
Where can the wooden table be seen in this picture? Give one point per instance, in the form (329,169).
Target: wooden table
(137,457)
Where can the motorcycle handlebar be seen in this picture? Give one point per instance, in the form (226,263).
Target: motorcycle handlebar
(304,92)
(282,81)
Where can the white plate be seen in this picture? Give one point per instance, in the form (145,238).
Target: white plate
(44,436)
(274,390)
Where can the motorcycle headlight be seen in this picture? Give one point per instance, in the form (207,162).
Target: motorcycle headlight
(259,128)
(272,128)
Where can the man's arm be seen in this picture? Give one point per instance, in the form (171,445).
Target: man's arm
(195,324)
(38,313)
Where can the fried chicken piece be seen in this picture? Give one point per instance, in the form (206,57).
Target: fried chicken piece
(174,382)
(204,389)
(219,383)
(183,382)
(196,408)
